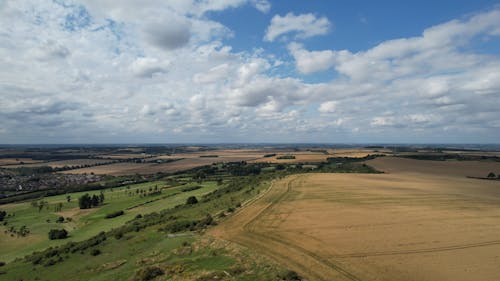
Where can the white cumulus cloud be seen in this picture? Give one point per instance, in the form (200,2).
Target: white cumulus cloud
(302,26)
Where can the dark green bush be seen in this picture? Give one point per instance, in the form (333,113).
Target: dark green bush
(191,200)
(95,252)
(148,273)
(290,275)
(115,214)
(178,226)
(191,188)
(58,234)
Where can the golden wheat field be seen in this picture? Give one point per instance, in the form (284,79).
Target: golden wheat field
(392,226)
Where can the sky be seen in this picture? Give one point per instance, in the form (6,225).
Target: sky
(228,71)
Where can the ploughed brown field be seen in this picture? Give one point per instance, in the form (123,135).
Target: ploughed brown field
(129,168)
(424,220)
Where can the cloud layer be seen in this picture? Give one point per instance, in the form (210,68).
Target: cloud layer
(102,71)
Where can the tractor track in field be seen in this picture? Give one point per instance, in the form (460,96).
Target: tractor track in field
(243,228)
(343,227)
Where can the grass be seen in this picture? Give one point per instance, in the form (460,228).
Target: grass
(85,223)
(187,256)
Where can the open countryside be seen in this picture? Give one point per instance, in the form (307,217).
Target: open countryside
(249,140)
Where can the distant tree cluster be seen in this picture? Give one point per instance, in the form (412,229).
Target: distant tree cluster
(286,157)
(86,201)
(144,192)
(39,204)
(21,232)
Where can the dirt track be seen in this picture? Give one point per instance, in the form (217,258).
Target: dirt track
(375,227)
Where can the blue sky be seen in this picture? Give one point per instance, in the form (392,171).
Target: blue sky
(249,71)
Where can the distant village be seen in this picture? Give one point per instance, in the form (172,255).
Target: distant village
(12,182)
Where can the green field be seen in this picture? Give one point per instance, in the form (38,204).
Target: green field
(85,223)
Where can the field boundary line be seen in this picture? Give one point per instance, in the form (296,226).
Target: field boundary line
(419,251)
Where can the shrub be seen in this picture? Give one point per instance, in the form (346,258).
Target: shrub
(177,226)
(2,263)
(290,275)
(191,200)
(208,220)
(60,219)
(115,214)
(58,234)
(491,175)
(148,273)
(191,188)
(95,252)
(3,214)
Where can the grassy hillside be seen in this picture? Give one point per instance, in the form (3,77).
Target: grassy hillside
(159,233)
(83,224)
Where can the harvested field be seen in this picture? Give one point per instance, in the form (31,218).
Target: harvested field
(375,227)
(62,163)
(445,168)
(17,161)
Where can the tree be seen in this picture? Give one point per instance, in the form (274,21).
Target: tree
(95,200)
(41,204)
(3,214)
(101,198)
(68,198)
(491,175)
(191,200)
(58,207)
(85,202)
